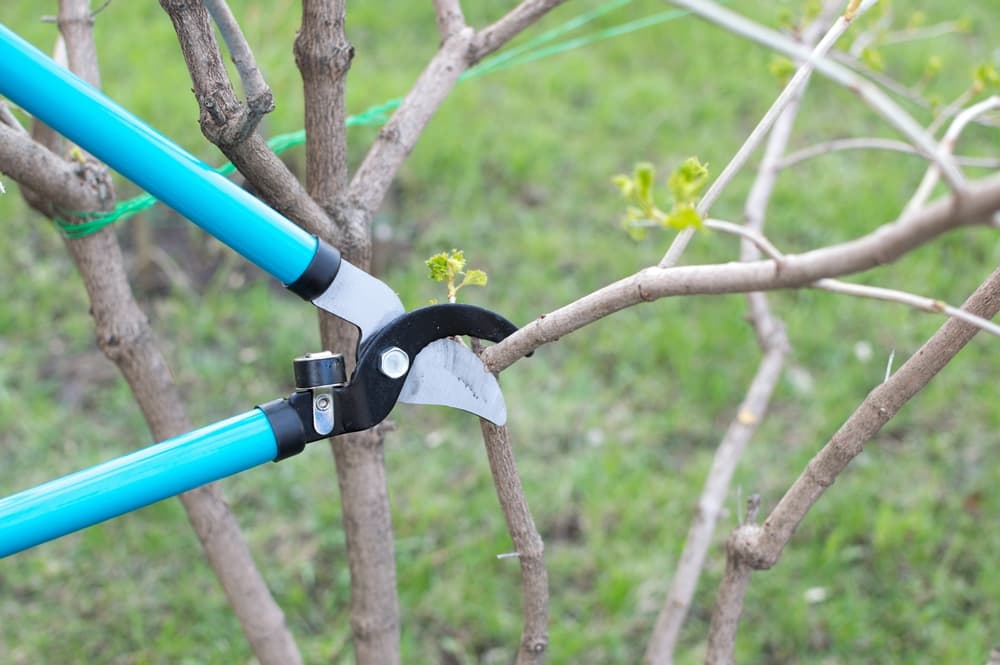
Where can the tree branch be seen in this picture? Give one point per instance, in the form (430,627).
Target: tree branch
(527,543)
(260,101)
(836,145)
(933,174)
(125,337)
(977,204)
(867,420)
(449,17)
(792,90)
(323,55)
(492,37)
(458,52)
(223,121)
(754,547)
(871,95)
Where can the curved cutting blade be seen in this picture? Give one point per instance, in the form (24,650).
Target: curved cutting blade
(449,374)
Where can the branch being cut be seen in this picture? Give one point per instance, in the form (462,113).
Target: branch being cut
(753,547)
(978,203)
(527,543)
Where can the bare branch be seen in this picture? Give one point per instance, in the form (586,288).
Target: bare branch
(400,134)
(492,37)
(875,411)
(836,145)
(729,601)
(791,90)
(933,173)
(922,303)
(461,50)
(977,204)
(904,298)
(260,101)
(8,118)
(917,34)
(223,120)
(753,547)
(323,55)
(871,95)
(45,173)
(527,543)
(449,16)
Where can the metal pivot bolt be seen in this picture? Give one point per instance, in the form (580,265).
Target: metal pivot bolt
(394,362)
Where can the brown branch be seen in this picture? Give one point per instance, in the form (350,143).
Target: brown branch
(976,204)
(492,37)
(223,120)
(398,137)
(260,101)
(757,548)
(125,337)
(773,341)
(323,55)
(449,17)
(527,543)
(458,52)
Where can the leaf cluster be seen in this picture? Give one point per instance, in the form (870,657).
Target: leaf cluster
(448,267)
(685,185)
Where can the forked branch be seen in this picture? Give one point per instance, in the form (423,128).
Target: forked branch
(754,547)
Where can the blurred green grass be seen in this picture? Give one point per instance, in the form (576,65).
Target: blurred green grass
(614,426)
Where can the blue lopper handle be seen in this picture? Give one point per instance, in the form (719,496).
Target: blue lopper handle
(128,483)
(84,115)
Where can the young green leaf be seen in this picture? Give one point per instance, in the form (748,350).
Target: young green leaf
(447,267)
(687,181)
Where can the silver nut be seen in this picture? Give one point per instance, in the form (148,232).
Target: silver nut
(323,402)
(394,362)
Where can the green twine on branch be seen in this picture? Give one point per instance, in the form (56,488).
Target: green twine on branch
(537,48)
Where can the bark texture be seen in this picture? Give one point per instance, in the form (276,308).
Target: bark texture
(125,337)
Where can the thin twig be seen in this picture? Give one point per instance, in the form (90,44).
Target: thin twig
(757,136)
(260,101)
(866,91)
(922,303)
(874,143)
(978,205)
(867,420)
(933,173)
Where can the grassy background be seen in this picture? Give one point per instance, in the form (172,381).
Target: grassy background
(614,426)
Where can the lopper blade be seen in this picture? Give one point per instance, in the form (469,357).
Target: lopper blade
(361,299)
(449,374)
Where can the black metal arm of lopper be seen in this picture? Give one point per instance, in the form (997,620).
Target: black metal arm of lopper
(384,361)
